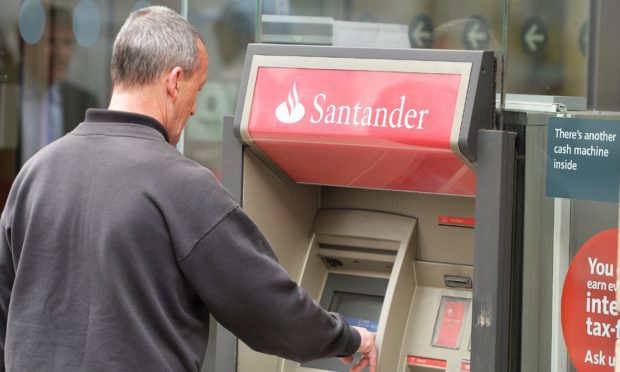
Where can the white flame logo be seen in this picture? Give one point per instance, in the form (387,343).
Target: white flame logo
(290,111)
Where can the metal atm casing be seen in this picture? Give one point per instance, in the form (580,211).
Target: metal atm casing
(286,204)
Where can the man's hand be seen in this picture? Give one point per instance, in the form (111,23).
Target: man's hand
(367,348)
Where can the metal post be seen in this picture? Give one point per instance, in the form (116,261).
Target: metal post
(492,295)
(226,342)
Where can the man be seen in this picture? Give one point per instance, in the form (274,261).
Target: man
(51,106)
(114,248)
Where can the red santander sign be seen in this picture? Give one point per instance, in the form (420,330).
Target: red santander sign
(361,127)
(322,111)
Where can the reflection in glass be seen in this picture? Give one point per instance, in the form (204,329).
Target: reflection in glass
(141,4)
(86,23)
(433,24)
(31,21)
(8,119)
(50,106)
(233,28)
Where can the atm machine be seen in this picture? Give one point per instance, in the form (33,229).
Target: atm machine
(381,183)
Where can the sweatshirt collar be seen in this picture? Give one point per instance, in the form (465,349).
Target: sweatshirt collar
(111,116)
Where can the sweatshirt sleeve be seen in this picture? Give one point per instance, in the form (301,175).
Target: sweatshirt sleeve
(236,273)
(7,276)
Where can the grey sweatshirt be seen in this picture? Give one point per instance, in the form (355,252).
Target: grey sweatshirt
(114,250)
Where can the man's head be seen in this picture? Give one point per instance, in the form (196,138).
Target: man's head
(159,55)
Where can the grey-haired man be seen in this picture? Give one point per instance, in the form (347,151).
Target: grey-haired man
(114,248)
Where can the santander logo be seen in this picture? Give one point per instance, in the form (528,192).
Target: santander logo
(399,114)
(290,111)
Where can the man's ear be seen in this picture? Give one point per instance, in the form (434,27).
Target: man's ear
(172,82)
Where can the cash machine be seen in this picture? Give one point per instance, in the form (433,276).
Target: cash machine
(361,167)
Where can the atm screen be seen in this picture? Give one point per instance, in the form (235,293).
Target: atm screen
(359,300)
(361,310)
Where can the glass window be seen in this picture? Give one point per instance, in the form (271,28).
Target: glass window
(571,218)
(54,93)
(9,94)
(227,28)
(436,24)
(547,47)
(54,64)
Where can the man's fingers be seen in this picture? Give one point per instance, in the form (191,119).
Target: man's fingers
(360,365)
(346,360)
(368,349)
(372,358)
(373,363)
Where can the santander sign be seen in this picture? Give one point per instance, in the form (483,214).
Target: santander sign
(400,115)
(360,127)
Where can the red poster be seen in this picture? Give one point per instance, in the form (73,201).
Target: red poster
(589,309)
(449,323)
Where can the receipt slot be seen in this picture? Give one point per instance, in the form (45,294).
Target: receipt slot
(362,169)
